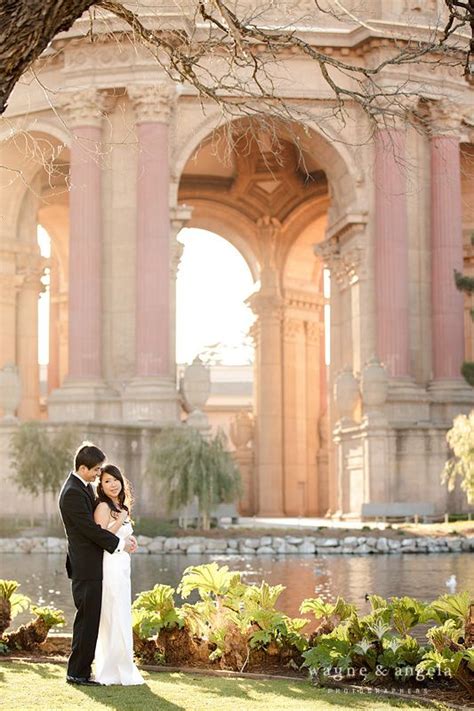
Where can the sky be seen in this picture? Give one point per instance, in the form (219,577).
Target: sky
(212,285)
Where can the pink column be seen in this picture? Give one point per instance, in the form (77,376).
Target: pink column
(446,256)
(391,252)
(53,364)
(153,251)
(85,258)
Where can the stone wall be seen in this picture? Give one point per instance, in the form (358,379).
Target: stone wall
(262,545)
(127,446)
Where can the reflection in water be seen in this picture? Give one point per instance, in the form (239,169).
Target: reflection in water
(43,577)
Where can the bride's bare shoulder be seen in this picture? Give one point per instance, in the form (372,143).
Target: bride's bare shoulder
(102,505)
(102,513)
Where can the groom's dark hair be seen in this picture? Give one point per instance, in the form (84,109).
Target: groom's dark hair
(88,455)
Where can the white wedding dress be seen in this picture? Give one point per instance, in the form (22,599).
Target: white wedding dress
(114,649)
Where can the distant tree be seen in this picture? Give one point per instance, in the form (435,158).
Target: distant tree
(41,460)
(461,440)
(191,467)
(466,284)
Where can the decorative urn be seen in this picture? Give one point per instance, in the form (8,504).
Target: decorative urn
(346,393)
(10,391)
(374,384)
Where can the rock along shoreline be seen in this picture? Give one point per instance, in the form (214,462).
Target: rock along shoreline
(262,545)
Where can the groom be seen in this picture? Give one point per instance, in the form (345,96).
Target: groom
(86,544)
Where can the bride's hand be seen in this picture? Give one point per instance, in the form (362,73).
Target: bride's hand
(122,516)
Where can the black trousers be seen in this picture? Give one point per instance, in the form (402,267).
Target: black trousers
(87,595)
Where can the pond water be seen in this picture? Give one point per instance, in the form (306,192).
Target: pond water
(43,577)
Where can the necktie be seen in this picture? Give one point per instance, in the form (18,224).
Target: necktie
(90,491)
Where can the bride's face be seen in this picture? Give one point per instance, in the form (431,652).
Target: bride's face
(111,486)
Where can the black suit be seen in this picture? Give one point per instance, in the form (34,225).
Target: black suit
(86,544)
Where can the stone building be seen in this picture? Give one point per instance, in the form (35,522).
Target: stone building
(108,156)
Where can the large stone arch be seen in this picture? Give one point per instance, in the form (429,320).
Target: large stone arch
(273,213)
(334,154)
(36,193)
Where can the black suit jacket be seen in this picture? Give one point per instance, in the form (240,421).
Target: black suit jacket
(86,539)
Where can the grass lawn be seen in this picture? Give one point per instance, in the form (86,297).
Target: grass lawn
(27,686)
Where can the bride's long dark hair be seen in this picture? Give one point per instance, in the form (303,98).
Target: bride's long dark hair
(125,495)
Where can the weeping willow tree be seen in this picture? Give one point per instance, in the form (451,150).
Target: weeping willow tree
(466,284)
(461,442)
(191,467)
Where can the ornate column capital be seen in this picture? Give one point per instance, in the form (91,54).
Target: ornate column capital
(392,114)
(347,267)
(292,328)
(152,102)
(314,331)
(266,306)
(31,269)
(443,117)
(85,107)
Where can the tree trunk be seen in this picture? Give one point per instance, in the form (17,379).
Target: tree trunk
(469,629)
(26,29)
(5,615)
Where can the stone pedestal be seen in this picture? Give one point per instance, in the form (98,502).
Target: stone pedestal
(84,401)
(449,398)
(150,399)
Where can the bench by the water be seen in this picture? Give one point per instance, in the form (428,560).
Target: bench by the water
(400,510)
(222,513)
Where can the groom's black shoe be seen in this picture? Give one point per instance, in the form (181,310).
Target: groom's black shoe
(82,681)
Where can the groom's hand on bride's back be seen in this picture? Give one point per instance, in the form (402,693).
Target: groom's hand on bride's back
(130,544)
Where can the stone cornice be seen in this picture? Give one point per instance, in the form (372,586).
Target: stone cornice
(152,102)
(379,25)
(302,300)
(347,226)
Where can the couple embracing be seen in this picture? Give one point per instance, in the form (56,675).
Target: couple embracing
(99,535)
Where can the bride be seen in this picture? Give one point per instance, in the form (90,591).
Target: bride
(114,649)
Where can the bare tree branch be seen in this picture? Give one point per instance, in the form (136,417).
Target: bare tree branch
(244,51)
